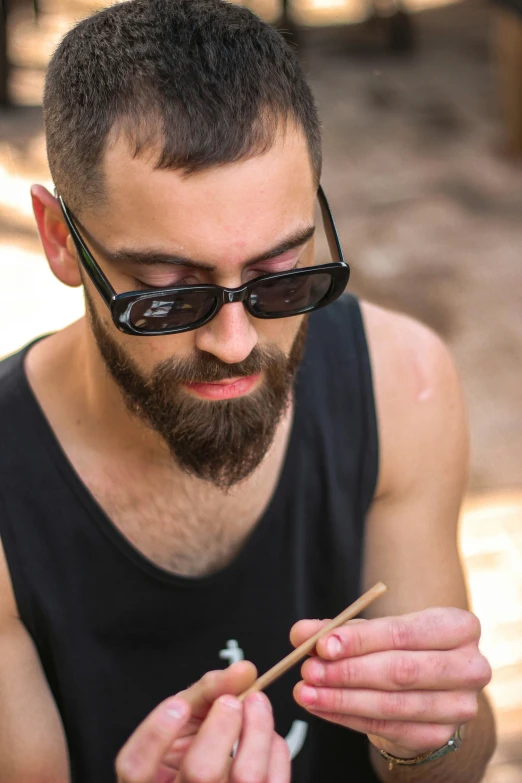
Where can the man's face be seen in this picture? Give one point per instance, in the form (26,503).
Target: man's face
(215,394)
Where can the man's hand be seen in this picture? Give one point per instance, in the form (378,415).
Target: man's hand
(190,737)
(408,682)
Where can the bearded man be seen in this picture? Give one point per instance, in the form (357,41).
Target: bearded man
(211,455)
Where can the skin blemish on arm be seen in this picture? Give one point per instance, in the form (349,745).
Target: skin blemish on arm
(425,394)
(423,386)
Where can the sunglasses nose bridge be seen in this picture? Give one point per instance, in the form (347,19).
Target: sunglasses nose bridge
(233,295)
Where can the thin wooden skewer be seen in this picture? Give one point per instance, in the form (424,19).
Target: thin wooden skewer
(300,652)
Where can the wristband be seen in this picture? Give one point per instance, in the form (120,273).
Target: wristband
(451,745)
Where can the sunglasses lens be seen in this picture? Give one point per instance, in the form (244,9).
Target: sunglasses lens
(290,294)
(175,311)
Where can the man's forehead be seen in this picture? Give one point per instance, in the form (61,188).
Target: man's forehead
(241,206)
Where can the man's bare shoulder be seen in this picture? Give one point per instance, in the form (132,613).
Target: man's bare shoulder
(400,344)
(418,397)
(8,608)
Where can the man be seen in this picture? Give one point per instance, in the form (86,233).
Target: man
(192,468)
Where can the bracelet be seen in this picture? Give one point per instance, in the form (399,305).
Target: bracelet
(451,745)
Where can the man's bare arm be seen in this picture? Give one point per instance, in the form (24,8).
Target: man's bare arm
(32,743)
(413,672)
(412,528)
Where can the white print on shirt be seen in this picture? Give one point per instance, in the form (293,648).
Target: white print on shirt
(232,652)
(296,737)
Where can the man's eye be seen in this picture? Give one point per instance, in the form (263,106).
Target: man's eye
(143,285)
(287,266)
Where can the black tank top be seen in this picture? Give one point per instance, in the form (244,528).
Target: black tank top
(116,634)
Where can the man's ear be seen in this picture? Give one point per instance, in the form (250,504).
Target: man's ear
(56,241)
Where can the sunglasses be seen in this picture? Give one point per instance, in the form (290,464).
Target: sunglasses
(182,308)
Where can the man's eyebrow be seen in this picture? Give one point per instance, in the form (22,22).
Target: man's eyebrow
(153,257)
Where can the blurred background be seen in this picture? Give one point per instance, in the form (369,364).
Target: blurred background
(421,102)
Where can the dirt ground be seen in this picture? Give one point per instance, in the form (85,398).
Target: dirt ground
(429,214)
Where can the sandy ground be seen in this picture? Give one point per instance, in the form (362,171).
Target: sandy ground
(430,219)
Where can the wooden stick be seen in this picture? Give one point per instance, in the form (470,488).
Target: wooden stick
(302,651)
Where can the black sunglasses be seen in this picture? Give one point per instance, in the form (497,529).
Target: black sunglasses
(180,309)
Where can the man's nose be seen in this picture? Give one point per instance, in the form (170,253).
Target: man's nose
(230,336)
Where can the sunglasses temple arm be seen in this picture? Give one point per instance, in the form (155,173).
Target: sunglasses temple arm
(101,283)
(329,227)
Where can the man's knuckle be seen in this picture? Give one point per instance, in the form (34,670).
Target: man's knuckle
(424,704)
(155,735)
(393,705)
(467,707)
(197,770)
(247,775)
(411,706)
(356,641)
(349,671)
(250,775)
(131,765)
(479,672)
(129,770)
(440,665)
(487,671)
(401,634)
(404,671)
(208,679)
(138,777)
(335,700)
(133,776)
(476,627)
(470,625)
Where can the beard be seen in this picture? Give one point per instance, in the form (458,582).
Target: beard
(221,442)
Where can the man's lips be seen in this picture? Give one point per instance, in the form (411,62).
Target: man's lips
(224,390)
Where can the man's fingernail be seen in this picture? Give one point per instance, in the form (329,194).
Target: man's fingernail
(174,710)
(333,645)
(258,701)
(230,701)
(308,695)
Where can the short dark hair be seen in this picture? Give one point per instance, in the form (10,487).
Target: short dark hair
(197,83)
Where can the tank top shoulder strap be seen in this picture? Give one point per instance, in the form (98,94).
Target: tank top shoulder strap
(335,388)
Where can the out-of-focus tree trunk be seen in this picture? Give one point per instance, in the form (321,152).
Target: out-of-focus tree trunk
(289,27)
(508,45)
(4,63)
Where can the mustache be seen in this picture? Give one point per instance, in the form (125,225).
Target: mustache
(204,367)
